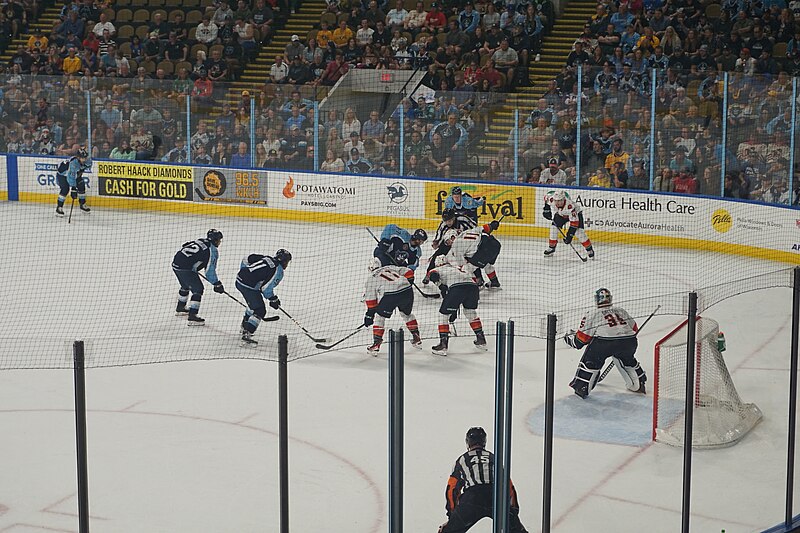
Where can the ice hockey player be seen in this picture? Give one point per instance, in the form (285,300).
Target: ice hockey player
(560,208)
(71,180)
(470,489)
(258,276)
(459,288)
(388,288)
(463,203)
(479,248)
(451,226)
(394,240)
(607,331)
(192,257)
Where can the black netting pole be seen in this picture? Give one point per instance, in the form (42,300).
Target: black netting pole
(79,373)
(792,398)
(691,334)
(499,405)
(549,399)
(396,403)
(283,431)
(509,387)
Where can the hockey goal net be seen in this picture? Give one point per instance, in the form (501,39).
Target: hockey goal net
(720,417)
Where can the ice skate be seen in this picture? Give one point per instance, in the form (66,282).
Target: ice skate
(550,251)
(181,309)
(195,320)
(480,341)
(59,211)
(374,349)
(581,390)
(416,340)
(590,253)
(85,208)
(493,284)
(641,389)
(247,340)
(441,348)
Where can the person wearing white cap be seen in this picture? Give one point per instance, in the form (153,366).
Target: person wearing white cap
(294,48)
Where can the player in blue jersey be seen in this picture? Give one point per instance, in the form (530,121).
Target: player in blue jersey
(192,257)
(464,204)
(258,276)
(399,247)
(71,181)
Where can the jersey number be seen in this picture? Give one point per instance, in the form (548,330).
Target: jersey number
(482,459)
(260,264)
(191,248)
(613,319)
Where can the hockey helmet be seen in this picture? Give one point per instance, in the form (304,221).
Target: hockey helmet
(602,297)
(439,261)
(559,195)
(283,257)
(476,435)
(214,235)
(82,153)
(448,214)
(455,190)
(374,264)
(420,235)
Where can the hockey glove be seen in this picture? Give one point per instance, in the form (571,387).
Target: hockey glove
(434,277)
(218,288)
(452,318)
(569,338)
(369,318)
(570,234)
(494,224)
(274,302)
(73,193)
(548,213)
(443,289)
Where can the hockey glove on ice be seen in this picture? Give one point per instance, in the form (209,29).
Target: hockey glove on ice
(369,318)
(218,288)
(570,234)
(548,214)
(274,302)
(73,193)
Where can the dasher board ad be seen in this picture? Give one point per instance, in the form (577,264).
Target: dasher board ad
(153,182)
(231,186)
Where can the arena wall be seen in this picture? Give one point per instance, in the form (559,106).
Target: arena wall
(629,217)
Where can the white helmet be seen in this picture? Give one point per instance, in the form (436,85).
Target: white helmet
(439,261)
(559,195)
(374,264)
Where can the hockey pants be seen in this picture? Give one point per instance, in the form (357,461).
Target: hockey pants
(475,504)
(63,189)
(256,308)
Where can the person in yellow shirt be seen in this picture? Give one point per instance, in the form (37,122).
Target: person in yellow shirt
(600,179)
(37,42)
(324,35)
(341,35)
(647,43)
(617,154)
(72,63)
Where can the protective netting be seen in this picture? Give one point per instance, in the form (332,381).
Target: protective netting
(720,416)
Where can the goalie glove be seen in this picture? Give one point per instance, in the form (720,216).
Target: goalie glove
(547,213)
(569,338)
(570,234)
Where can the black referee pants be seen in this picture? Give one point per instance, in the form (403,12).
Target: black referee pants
(475,504)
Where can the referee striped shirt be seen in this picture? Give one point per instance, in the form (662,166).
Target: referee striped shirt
(475,467)
(461,224)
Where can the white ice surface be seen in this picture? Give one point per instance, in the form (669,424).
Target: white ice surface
(192,446)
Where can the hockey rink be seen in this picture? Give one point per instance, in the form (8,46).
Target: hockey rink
(192,446)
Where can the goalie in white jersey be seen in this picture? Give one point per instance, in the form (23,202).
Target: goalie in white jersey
(388,288)
(479,248)
(459,288)
(607,331)
(560,208)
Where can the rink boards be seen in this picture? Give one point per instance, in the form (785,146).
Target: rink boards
(629,217)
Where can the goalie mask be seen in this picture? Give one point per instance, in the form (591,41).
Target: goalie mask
(602,297)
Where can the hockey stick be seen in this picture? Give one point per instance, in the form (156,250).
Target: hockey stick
(235,299)
(296,323)
(610,366)
(413,284)
(329,346)
(71,207)
(564,236)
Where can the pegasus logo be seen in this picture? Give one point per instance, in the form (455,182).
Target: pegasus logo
(397,193)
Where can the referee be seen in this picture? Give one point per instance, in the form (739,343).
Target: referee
(469,489)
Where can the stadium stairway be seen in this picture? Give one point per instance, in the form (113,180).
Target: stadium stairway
(46,21)
(255,73)
(556,46)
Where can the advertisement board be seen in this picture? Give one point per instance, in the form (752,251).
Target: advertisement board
(517,204)
(37,174)
(347,194)
(232,186)
(140,180)
(3,177)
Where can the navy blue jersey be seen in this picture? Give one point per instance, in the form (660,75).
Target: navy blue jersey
(197,255)
(395,251)
(261,273)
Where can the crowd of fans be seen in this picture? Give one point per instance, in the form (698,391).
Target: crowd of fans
(648,78)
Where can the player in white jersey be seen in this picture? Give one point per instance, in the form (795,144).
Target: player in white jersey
(607,331)
(459,288)
(452,226)
(560,208)
(479,248)
(388,288)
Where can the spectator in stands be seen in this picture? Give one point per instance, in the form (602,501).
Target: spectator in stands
(178,154)
(123,152)
(222,13)
(174,50)
(601,179)
(206,32)
(216,67)
(104,24)
(241,159)
(439,157)
(332,163)
(397,16)
(294,48)
(279,71)
(299,72)
(159,26)
(415,21)
(506,61)
(342,34)
(358,164)
(373,128)
(435,20)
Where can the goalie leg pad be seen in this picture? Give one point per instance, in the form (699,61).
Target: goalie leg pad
(584,380)
(633,376)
